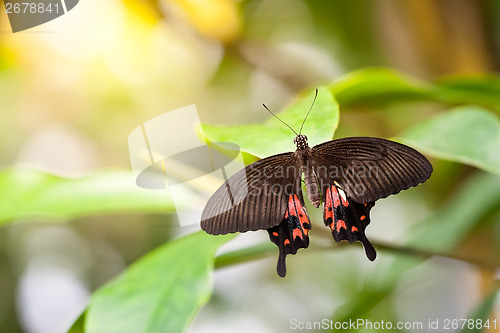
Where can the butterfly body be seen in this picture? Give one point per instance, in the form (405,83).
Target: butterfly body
(303,155)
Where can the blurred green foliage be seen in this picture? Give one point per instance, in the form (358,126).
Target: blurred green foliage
(420,72)
(29,193)
(160,293)
(468,135)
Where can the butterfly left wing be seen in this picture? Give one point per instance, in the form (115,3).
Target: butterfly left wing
(347,219)
(292,233)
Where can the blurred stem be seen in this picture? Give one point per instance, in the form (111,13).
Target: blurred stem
(264,250)
(251,253)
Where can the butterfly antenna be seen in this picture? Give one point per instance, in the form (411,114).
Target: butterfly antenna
(314,100)
(279,118)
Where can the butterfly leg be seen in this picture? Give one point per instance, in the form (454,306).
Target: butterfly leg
(292,233)
(347,219)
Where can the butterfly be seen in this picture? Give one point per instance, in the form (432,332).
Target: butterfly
(345,175)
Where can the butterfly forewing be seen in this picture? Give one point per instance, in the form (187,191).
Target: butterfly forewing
(368,168)
(254,198)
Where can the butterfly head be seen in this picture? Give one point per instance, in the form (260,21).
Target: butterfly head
(300,141)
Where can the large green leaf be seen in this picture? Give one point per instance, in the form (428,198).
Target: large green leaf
(481,89)
(469,135)
(372,86)
(28,193)
(272,137)
(78,325)
(162,292)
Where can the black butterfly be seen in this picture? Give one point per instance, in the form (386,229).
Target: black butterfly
(347,175)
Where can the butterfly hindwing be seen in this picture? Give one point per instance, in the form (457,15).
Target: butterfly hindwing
(346,218)
(369,168)
(292,233)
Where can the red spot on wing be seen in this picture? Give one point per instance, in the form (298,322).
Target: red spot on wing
(297,233)
(286,242)
(341,224)
(302,212)
(328,205)
(296,209)
(275,234)
(362,217)
(353,229)
(335,197)
(291,205)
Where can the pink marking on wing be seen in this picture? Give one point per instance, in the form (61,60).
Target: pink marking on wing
(341,224)
(328,205)
(297,233)
(335,195)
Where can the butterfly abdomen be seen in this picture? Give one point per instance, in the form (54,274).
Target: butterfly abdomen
(303,156)
(312,187)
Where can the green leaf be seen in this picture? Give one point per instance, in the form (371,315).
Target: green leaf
(162,292)
(483,311)
(28,193)
(371,86)
(481,89)
(375,85)
(79,324)
(273,137)
(469,135)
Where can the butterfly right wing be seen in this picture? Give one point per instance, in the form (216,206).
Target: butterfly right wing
(254,198)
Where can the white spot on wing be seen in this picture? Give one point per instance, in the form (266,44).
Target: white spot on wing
(342,194)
